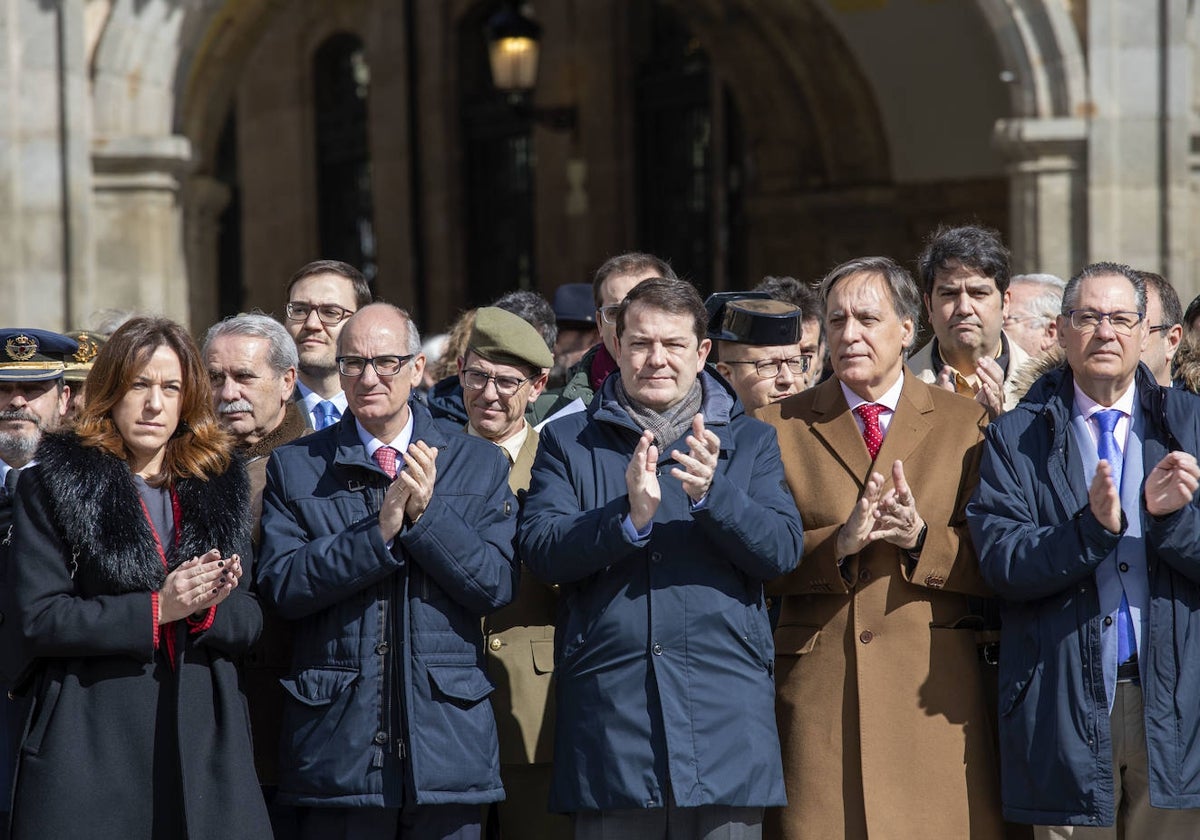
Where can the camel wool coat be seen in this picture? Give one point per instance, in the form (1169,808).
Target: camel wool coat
(880,700)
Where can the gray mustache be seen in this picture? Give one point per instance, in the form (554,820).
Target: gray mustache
(234,406)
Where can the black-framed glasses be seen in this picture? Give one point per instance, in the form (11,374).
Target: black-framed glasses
(477,380)
(384,365)
(1159,327)
(770,368)
(1122,321)
(329,314)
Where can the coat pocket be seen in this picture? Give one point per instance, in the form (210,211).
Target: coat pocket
(795,639)
(42,712)
(543,655)
(324,737)
(453,731)
(464,686)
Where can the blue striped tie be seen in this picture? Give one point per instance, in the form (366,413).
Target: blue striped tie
(326,414)
(1108,450)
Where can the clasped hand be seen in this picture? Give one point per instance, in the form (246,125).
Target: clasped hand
(695,471)
(198,584)
(890,516)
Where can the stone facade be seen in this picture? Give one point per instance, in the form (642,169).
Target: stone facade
(862,124)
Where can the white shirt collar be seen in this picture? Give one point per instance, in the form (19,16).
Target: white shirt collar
(310,398)
(889,399)
(1088,408)
(399,443)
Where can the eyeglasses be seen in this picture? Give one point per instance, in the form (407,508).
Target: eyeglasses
(477,380)
(1036,320)
(384,365)
(608,314)
(329,313)
(1160,327)
(1088,320)
(770,368)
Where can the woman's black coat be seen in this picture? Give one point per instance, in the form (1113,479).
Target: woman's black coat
(119,744)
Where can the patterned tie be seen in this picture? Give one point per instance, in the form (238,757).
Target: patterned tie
(326,414)
(872,433)
(1108,450)
(385,457)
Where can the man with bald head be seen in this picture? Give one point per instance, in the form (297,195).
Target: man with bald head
(385,541)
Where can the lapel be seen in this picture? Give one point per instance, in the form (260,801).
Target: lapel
(910,424)
(520,474)
(835,425)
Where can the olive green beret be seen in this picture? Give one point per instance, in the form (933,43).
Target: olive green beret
(504,338)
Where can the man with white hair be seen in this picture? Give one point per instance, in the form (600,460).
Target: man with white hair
(251,362)
(1033,304)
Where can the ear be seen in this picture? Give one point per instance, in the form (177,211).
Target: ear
(1060,330)
(702,352)
(64,400)
(289,383)
(1004,301)
(724,369)
(537,385)
(928,304)
(418,369)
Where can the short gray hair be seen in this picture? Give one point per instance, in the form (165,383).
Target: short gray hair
(906,297)
(281,353)
(1045,305)
(1104,269)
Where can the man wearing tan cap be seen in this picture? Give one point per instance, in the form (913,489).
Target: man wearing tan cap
(502,372)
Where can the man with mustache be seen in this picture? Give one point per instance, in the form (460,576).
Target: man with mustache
(251,362)
(964,276)
(33,400)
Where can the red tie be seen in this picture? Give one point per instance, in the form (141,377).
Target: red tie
(385,457)
(872,434)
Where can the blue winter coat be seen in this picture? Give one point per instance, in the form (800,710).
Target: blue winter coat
(387,698)
(1039,546)
(663,651)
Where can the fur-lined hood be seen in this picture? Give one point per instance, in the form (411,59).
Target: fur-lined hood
(92,497)
(1038,366)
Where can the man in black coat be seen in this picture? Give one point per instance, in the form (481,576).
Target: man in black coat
(33,399)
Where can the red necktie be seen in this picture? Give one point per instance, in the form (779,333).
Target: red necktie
(385,456)
(872,434)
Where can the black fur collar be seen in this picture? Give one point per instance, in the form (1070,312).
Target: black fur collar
(92,497)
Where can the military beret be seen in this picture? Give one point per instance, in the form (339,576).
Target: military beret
(765,323)
(502,337)
(34,355)
(80,362)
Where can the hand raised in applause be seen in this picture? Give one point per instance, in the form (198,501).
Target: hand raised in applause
(641,481)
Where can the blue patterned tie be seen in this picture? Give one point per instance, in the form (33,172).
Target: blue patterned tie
(1108,450)
(326,414)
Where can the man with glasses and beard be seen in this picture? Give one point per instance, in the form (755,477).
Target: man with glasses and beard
(33,400)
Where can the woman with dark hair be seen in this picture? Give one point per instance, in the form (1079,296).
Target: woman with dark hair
(132,537)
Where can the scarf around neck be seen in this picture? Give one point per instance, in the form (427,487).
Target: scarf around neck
(667,427)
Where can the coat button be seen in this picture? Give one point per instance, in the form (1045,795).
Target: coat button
(657,649)
(656,557)
(864,575)
(381,738)
(495,643)
(866,636)
(1124,567)
(382,648)
(1107,620)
